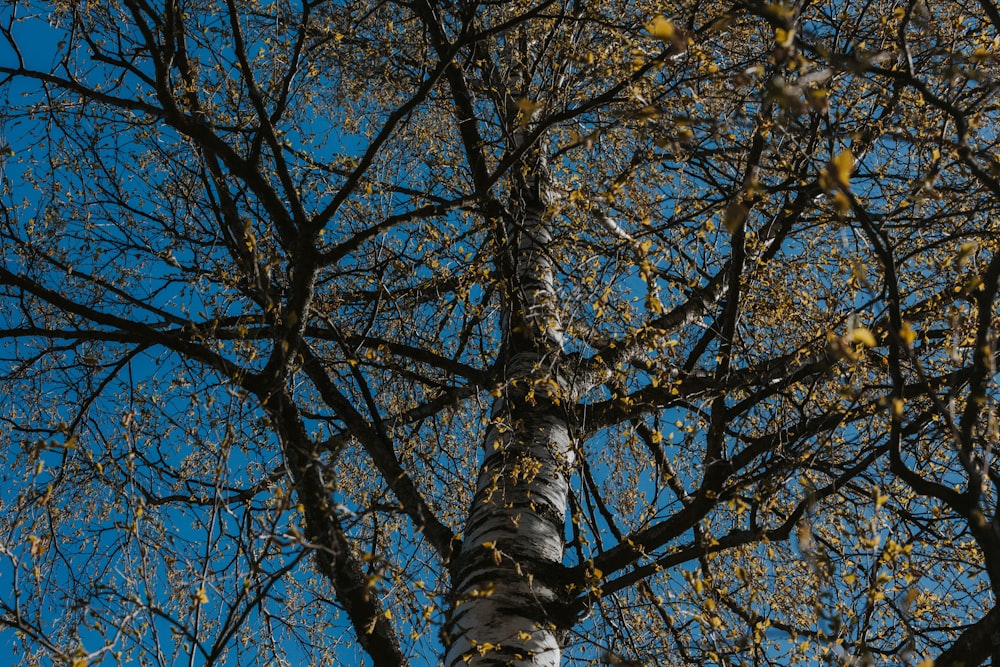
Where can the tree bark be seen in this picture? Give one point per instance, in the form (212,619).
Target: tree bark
(334,555)
(509,579)
(979,642)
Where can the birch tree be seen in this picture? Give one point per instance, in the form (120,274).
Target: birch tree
(517,333)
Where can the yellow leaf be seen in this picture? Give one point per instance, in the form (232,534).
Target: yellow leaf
(661,28)
(79,662)
(526,105)
(907,334)
(864,336)
(783,37)
(735,215)
(653,304)
(841,168)
(849,579)
(964,251)
(486,647)
(527,109)
(200,595)
(841,202)
(484,590)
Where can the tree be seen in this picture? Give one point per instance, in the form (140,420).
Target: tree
(500,333)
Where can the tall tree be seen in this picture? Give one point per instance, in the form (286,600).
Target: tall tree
(499,333)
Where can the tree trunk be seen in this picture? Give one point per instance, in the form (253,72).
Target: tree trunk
(508,582)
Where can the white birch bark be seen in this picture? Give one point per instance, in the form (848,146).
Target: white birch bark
(506,582)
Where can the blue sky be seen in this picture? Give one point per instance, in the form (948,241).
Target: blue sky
(186,422)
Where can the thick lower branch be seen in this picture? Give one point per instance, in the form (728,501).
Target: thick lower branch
(979,642)
(334,555)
